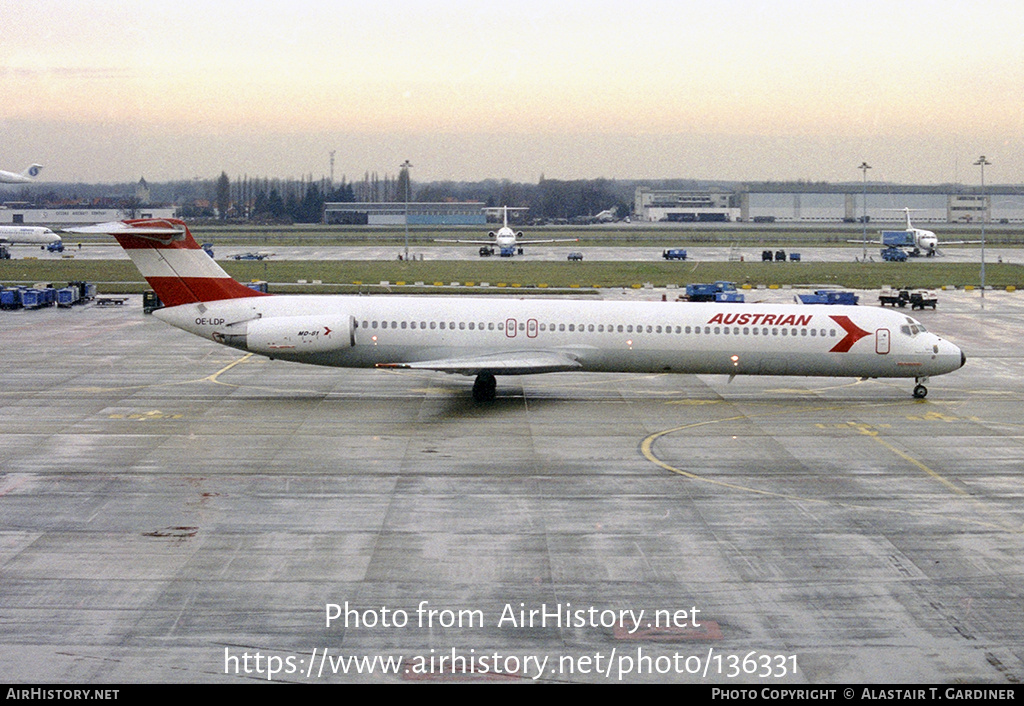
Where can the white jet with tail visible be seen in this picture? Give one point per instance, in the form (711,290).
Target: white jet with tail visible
(492,336)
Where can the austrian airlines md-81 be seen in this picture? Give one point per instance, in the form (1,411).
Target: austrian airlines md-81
(486,337)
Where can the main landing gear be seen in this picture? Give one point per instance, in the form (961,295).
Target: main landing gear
(920,391)
(484,387)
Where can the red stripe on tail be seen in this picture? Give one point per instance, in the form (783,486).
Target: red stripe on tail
(180,287)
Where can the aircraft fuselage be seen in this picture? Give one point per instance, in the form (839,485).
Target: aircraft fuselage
(602,336)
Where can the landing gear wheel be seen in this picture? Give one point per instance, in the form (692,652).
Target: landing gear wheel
(484,387)
(920,392)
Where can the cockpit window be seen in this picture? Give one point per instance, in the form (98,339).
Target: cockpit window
(912,327)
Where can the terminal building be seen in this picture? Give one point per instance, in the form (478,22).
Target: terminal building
(390,213)
(685,206)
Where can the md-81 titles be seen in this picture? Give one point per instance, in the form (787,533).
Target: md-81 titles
(489,336)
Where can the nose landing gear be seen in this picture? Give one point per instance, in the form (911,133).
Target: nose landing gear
(920,391)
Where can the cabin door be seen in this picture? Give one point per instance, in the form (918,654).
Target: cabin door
(882,341)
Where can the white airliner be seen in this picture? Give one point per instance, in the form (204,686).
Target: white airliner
(26,177)
(917,240)
(508,241)
(920,240)
(486,337)
(28,235)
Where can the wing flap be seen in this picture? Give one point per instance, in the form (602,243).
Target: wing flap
(511,363)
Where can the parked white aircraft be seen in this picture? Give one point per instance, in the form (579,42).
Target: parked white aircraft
(508,241)
(917,240)
(486,337)
(28,235)
(26,177)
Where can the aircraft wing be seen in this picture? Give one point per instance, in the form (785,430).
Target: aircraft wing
(471,242)
(518,242)
(553,240)
(511,363)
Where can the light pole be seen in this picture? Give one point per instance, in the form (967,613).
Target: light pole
(405,167)
(864,167)
(982,162)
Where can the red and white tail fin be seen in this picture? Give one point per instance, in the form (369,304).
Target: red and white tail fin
(178,270)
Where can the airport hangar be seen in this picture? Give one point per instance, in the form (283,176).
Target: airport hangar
(828,203)
(392,213)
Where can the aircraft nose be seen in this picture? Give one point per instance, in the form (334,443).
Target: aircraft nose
(963,359)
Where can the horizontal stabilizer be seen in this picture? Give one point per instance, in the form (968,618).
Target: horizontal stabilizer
(162,231)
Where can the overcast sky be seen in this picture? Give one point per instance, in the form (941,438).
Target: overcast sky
(737,90)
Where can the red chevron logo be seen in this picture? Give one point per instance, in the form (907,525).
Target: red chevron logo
(853,334)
